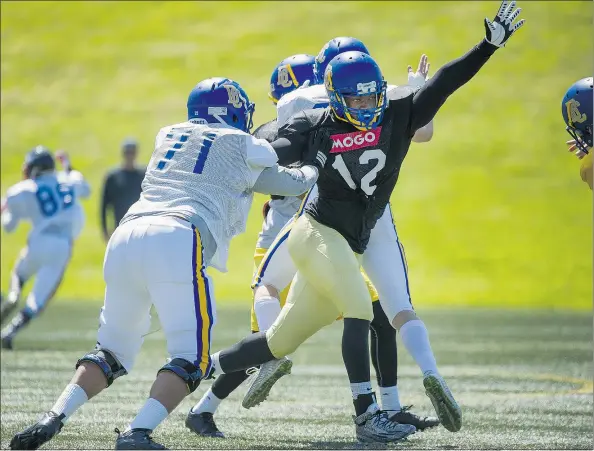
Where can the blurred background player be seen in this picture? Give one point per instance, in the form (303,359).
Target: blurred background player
(121,188)
(48,200)
(576,108)
(196,197)
(294,78)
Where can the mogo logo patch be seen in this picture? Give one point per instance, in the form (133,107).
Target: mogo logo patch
(356,140)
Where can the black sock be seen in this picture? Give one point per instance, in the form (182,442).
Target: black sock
(19,321)
(363,402)
(251,351)
(226,383)
(355,349)
(384,354)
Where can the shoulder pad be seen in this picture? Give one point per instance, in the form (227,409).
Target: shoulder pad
(401,92)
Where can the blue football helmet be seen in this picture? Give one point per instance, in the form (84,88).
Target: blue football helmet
(38,160)
(576,108)
(220,101)
(356,74)
(333,48)
(289,74)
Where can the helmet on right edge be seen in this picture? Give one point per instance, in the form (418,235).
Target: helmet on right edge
(576,108)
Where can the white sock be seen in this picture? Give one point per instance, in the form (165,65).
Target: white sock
(361,388)
(390,398)
(150,416)
(214,359)
(71,399)
(266,308)
(415,338)
(208,403)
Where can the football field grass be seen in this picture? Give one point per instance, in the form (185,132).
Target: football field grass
(522,377)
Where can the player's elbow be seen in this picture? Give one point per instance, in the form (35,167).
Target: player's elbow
(424,134)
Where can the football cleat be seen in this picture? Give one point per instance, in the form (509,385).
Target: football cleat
(136,439)
(263,381)
(203,424)
(6,342)
(41,432)
(448,411)
(376,427)
(405,416)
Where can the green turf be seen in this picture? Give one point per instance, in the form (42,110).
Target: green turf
(491,212)
(522,377)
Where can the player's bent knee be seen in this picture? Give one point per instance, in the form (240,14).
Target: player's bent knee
(107,363)
(403,317)
(187,371)
(266,291)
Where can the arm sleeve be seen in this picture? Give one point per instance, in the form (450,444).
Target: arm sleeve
(429,99)
(105,203)
(291,144)
(81,186)
(286,181)
(259,153)
(11,212)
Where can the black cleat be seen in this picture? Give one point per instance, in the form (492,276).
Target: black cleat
(405,416)
(7,342)
(203,424)
(136,439)
(41,432)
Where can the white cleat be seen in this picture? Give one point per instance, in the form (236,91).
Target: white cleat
(448,411)
(263,381)
(376,427)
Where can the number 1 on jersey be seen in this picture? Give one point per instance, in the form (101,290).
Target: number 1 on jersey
(368,179)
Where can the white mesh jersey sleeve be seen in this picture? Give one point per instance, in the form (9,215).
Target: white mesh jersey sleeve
(19,198)
(78,181)
(203,173)
(259,155)
(294,102)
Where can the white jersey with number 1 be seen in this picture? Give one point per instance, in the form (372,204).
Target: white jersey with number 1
(204,173)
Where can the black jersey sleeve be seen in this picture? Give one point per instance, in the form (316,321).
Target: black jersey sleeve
(291,145)
(429,99)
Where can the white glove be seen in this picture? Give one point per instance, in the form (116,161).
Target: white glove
(418,78)
(501,29)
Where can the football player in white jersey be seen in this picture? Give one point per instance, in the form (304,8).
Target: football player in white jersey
(293,89)
(48,200)
(195,197)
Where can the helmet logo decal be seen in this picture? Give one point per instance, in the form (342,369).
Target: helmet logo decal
(367,88)
(284,78)
(234,96)
(328,79)
(573,113)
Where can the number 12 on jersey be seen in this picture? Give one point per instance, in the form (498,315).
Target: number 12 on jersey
(367,180)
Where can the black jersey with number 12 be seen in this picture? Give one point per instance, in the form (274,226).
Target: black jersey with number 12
(363,166)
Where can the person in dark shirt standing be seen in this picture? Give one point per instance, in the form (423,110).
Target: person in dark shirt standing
(122,187)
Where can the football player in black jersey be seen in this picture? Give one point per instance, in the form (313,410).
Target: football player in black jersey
(200,420)
(371,135)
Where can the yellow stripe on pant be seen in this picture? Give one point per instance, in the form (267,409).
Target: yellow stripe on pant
(202,305)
